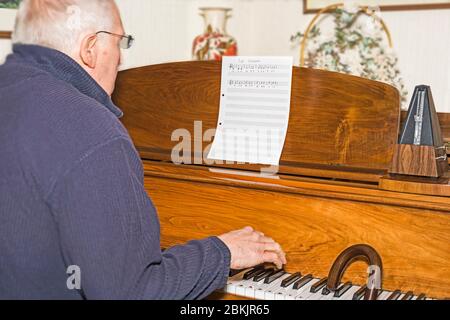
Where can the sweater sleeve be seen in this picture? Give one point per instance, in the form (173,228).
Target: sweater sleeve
(109,228)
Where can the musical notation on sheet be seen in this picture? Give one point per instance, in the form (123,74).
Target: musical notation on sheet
(254,110)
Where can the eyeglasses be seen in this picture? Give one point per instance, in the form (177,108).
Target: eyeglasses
(126,41)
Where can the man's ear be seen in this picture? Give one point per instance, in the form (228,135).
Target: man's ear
(88,51)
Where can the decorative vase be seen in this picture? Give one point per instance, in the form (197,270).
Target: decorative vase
(214,42)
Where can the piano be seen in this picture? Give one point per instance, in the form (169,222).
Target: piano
(331,191)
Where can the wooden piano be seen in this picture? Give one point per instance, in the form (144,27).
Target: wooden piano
(331,190)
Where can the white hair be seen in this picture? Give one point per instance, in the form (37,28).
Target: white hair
(59,24)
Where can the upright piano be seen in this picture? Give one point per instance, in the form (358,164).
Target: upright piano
(332,189)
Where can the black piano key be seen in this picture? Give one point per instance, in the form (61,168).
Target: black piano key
(408,296)
(342,289)
(422,296)
(318,286)
(290,280)
(234,272)
(274,276)
(250,274)
(360,293)
(263,275)
(395,295)
(326,291)
(303,281)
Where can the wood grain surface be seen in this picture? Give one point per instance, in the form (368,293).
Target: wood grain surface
(331,191)
(5,34)
(417,185)
(312,226)
(336,120)
(419,161)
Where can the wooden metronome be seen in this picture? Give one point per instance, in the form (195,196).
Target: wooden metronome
(421,150)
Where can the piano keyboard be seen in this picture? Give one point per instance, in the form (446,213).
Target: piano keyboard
(270,284)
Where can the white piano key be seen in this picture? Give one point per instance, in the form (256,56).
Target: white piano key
(275,287)
(255,290)
(290,293)
(273,291)
(277,291)
(270,289)
(349,294)
(267,295)
(242,287)
(259,289)
(304,293)
(262,295)
(231,287)
(247,288)
(250,292)
(233,282)
(284,295)
(280,297)
(317,296)
(272,295)
(384,295)
(329,296)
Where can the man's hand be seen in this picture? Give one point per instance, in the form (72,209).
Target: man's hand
(250,248)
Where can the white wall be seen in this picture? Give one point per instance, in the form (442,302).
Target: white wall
(6,23)
(160,29)
(264,27)
(164,30)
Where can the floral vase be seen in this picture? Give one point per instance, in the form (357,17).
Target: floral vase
(214,42)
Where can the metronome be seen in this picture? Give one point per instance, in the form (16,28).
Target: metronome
(421,149)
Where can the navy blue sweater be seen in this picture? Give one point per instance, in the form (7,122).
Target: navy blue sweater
(72,194)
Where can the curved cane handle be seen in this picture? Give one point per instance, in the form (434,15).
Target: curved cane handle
(353,254)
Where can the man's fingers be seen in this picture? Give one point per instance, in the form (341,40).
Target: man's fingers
(247,229)
(255,237)
(265,239)
(282,256)
(273,247)
(272,257)
(250,247)
(276,248)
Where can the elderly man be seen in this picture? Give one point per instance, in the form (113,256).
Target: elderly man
(75,220)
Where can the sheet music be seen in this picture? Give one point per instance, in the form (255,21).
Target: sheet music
(254,110)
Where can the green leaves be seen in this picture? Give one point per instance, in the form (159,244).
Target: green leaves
(355,46)
(9,4)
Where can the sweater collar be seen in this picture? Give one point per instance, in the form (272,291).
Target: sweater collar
(66,69)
